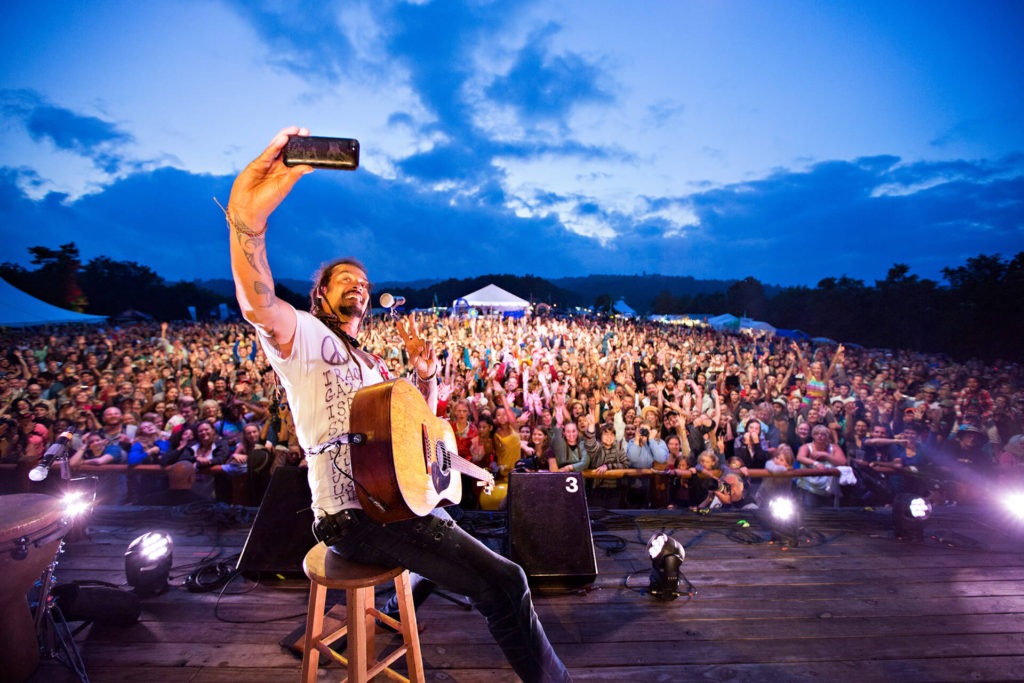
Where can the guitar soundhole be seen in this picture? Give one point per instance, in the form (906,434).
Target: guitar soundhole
(444,458)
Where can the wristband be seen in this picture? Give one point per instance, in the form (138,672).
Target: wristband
(426,379)
(242,230)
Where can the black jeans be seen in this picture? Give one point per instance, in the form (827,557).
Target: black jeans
(438,549)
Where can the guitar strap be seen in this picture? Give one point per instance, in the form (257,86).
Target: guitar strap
(335,444)
(355,438)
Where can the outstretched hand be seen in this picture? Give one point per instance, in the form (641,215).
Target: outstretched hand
(421,354)
(264,184)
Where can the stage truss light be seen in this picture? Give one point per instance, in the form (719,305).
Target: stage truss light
(666,557)
(909,513)
(147,563)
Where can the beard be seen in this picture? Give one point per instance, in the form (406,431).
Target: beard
(350,311)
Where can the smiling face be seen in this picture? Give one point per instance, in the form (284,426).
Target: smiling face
(820,434)
(251,433)
(501,418)
(571,433)
(205,433)
(348,291)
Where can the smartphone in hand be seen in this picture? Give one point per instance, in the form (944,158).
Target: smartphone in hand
(333,153)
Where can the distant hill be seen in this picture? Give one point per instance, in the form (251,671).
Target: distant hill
(639,291)
(221,286)
(528,287)
(300,288)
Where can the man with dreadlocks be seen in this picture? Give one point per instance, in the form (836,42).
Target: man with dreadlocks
(321,366)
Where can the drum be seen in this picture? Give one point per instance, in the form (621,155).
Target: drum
(31,527)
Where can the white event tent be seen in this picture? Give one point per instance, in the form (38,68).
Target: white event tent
(493,298)
(623,309)
(18,309)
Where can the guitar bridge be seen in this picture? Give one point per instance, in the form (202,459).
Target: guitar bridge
(426,449)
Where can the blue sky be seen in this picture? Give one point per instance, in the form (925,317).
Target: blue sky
(789,141)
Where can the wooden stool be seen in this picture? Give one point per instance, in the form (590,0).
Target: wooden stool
(326,570)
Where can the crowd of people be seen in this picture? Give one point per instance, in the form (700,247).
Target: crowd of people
(694,417)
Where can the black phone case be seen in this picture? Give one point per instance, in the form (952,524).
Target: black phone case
(334,153)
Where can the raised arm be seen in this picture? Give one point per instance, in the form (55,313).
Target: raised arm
(800,362)
(832,366)
(504,404)
(257,191)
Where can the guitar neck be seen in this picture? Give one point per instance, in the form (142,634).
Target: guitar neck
(469,469)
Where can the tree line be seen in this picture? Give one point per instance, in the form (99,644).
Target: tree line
(974,312)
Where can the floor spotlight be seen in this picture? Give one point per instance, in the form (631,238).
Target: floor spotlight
(1014,502)
(75,504)
(784,520)
(909,513)
(666,557)
(147,563)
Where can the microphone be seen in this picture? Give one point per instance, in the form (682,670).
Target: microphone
(58,449)
(389,301)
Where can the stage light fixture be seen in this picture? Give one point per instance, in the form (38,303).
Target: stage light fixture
(909,513)
(666,557)
(784,520)
(147,563)
(75,504)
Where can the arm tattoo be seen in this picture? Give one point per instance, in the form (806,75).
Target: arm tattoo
(254,250)
(264,295)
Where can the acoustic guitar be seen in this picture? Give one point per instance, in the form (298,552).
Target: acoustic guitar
(408,463)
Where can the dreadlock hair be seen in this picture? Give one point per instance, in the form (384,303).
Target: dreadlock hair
(316,299)
(323,276)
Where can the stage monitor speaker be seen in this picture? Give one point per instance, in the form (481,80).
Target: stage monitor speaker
(282,532)
(549,529)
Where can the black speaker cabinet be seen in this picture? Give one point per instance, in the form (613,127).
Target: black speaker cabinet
(549,529)
(282,532)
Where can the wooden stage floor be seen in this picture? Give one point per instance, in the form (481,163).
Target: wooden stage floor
(858,605)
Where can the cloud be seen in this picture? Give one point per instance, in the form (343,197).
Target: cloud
(788,227)
(166,219)
(663,112)
(541,86)
(797,227)
(305,38)
(435,42)
(433,49)
(87,136)
(966,130)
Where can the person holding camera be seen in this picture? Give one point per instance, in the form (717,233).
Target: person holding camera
(321,364)
(713,486)
(646,448)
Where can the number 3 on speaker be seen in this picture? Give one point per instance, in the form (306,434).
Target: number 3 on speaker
(572,484)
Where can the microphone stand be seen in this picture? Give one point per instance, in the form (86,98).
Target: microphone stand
(55,638)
